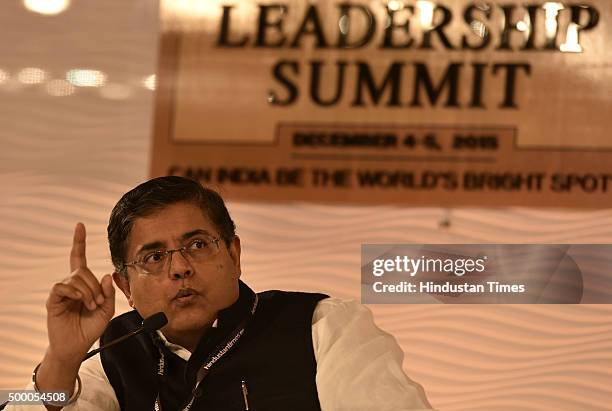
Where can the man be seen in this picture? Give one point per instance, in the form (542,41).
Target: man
(174,250)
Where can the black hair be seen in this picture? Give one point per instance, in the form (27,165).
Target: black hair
(153,196)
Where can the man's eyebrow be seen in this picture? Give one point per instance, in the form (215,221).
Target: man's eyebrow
(199,231)
(156,245)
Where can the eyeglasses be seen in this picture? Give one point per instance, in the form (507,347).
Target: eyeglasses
(156,262)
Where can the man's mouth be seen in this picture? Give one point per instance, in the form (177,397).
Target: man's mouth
(185,296)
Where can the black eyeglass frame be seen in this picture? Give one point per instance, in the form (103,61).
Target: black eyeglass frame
(139,263)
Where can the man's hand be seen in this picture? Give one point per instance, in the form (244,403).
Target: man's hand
(78,311)
(80,307)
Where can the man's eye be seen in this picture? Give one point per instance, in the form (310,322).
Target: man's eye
(197,245)
(154,257)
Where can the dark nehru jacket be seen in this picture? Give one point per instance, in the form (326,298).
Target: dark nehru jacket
(274,357)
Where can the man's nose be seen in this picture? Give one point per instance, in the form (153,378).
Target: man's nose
(180,267)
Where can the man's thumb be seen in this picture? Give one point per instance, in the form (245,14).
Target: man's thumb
(109,293)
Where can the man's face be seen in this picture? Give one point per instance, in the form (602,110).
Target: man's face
(212,284)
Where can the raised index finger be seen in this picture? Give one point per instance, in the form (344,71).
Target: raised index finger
(77,254)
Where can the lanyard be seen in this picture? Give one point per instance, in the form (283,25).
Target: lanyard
(216,355)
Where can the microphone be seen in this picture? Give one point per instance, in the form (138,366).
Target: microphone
(152,323)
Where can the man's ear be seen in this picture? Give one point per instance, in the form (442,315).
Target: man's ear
(124,284)
(234,252)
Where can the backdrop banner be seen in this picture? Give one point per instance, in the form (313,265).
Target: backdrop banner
(406,102)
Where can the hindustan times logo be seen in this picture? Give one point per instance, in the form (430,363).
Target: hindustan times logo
(411,266)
